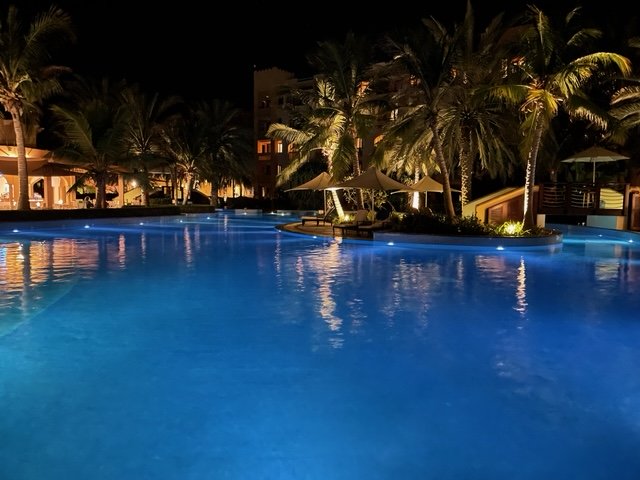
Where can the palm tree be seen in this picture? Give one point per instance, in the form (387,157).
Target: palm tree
(229,143)
(423,64)
(26,76)
(554,71)
(185,143)
(338,111)
(93,132)
(149,114)
(473,124)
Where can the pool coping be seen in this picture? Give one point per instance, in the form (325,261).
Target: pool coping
(431,240)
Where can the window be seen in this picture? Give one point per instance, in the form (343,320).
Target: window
(358,143)
(279,146)
(264,146)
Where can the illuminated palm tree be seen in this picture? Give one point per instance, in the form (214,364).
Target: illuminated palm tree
(473,124)
(338,111)
(26,75)
(550,62)
(422,63)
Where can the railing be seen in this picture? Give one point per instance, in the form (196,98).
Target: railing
(582,198)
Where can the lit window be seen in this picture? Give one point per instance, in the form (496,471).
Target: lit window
(358,143)
(279,146)
(264,146)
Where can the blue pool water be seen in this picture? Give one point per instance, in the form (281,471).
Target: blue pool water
(206,348)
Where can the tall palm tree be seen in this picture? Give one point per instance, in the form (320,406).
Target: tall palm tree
(149,114)
(93,131)
(185,144)
(423,64)
(228,157)
(26,74)
(473,124)
(339,110)
(554,69)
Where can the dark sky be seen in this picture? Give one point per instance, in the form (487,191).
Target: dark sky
(201,49)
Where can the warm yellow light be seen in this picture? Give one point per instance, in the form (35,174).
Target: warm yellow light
(511,228)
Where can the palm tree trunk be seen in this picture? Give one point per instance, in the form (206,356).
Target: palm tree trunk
(448,200)
(187,193)
(214,194)
(530,177)
(174,185)
(101,191)
(416,195)
(338,205)
(23,174)
(145,192)
(465,168)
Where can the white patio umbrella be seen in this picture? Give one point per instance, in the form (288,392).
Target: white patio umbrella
(426,184)
(323,181)
(373,179)
(595,155)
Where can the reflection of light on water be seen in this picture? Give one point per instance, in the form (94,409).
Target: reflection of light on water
(605,271)
(33,275)
(521,289)
(493,265)
(143,245)
(325,266)
(188,249)
(122,251)
(413,281)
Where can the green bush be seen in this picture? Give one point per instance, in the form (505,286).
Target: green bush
(437,224)
(440,224)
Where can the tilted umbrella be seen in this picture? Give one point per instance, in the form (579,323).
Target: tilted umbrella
(595,155)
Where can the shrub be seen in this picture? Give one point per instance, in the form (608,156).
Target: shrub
(440,224)
(437,224)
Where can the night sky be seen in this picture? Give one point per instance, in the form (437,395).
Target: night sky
(204,50)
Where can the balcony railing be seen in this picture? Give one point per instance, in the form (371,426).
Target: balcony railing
(582,198)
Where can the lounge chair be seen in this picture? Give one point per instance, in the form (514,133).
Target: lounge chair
(320,217)
(368,229)
(361,218)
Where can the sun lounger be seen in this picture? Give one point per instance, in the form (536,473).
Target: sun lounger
(323,218)
(368,229)
(361,218)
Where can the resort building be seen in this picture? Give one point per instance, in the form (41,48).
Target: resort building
(49,181)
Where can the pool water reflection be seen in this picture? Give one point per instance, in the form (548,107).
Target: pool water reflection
(220,347)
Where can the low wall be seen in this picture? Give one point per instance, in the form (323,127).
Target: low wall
(79,213)
(474,241)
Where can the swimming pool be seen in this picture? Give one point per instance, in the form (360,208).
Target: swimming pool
(219,347)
